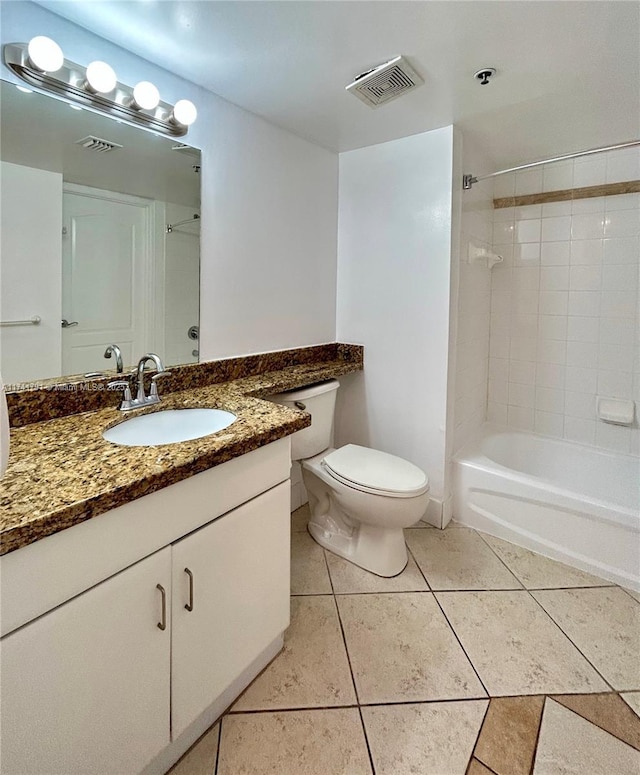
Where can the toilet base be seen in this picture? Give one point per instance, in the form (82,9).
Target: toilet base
(378,550)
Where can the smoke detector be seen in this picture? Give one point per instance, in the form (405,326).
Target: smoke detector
(385,82)
(97,144)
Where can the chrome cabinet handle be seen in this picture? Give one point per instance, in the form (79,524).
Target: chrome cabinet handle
(67,324)
(162,625)
(189,605)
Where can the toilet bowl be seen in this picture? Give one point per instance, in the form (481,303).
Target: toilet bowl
(360,498)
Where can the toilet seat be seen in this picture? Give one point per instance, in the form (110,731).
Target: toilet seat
(375,472)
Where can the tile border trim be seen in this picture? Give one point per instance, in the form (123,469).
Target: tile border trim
(567,194)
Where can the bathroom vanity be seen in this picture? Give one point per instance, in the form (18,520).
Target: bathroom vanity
(120,633)
(142,588)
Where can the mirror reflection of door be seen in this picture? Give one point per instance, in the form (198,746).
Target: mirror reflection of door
(106,269)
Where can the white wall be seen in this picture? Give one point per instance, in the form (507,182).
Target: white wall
(473,306)
(30,271)
(565,304)
(269,205)
(394,244)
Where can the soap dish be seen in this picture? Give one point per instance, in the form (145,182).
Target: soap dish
(615,410)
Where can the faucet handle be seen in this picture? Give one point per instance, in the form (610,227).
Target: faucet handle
(127,399)
(154,381)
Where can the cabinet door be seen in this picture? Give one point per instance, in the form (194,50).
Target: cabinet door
(240,570)
(85,688)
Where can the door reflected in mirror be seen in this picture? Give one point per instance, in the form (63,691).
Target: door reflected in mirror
(100,240)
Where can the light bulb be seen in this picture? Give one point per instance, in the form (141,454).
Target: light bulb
(184,112)
(145,96)
(45,54)
(101,77)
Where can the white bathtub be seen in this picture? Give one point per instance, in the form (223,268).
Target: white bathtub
(576,504)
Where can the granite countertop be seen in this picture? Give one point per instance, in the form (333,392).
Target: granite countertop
(62,472)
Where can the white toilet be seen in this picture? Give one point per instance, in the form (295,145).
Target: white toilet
(360,498)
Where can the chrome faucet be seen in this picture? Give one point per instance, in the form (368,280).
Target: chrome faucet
(141,398)
(153,398)
(113,349)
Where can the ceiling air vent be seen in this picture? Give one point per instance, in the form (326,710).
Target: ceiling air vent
(385,82)
(97,144)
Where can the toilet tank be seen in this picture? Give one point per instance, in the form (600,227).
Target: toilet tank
(319,400)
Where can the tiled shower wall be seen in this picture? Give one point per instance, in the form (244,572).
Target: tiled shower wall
(564,304)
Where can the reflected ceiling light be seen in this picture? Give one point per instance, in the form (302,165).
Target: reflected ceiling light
(184,112)
(100,78)
(145,96)
(41,63)
(45,54)
(24,89)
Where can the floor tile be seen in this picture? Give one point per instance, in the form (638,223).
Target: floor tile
(515,647)
(635,595)
(300,518)
(605,625)
(312,670)
(633,701)
(429,739)
(458,558)
(349,578)
(309,574)
(402,649)
(507,742)
(569,744)
(306,742)
(607,711)
(538,572)
(200,759)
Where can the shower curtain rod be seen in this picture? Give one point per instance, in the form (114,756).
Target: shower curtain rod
(172,226)
(469,180)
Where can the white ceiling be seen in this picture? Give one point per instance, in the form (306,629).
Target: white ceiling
(568,72)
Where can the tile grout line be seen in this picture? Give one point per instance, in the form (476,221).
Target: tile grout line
(455,634)
(353,680)
(604,585)
(594,723)
(215,769)
(481,727)
(576,647)
(535,750)
(551,589)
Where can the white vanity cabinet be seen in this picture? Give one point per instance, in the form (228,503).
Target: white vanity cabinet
(91,684)
(85,688)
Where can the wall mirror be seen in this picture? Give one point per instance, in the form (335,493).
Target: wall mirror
(99,241)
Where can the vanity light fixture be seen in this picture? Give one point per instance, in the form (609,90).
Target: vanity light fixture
(41,64)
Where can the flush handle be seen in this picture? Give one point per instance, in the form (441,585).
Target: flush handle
(300,405)
(162,624)
(189,605)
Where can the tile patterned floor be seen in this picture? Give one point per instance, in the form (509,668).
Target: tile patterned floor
(481,658)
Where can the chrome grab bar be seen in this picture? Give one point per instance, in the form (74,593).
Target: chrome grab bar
(34,321)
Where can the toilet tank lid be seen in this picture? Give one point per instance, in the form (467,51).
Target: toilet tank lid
(376,470)
(299,394)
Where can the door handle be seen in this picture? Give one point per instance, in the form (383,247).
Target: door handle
(67,324)
(162,624)
(189,605)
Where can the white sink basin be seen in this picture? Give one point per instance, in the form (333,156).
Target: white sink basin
(169,427)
